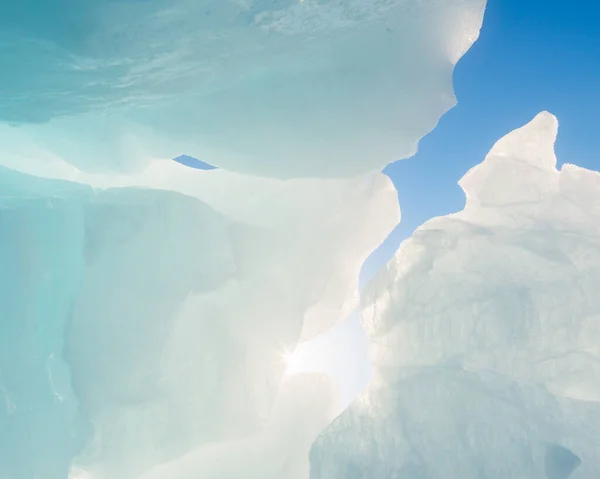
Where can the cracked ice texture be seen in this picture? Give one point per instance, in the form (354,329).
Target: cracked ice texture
(284,88)
(485,333)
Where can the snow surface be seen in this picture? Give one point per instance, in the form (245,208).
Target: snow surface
(485,333)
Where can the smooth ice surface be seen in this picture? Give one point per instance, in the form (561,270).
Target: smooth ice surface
(145,325)
(41,268)
(485,333)
(285,88)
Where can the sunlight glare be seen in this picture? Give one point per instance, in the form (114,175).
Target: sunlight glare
(76,473)
(298,361)
(341,353)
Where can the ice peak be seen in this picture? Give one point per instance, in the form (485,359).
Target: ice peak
(519,159)
(533,143)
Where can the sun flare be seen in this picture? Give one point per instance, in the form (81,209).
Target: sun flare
(293,362)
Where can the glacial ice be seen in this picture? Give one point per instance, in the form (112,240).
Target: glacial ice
(485,333)
(145,319)
(146,308)
(277,88)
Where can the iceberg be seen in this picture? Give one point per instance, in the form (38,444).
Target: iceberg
(485,333)
(283,88)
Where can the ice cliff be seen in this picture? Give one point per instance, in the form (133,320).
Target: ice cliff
(485,333)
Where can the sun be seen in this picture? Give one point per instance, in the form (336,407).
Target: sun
(309,357)
(340,353)
(294,363)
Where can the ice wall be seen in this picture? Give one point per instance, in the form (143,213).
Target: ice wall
(141,325)
(285,88)
(485,333)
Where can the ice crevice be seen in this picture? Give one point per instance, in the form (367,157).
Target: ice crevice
(146,307)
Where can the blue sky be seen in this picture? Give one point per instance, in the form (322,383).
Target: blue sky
(532,55)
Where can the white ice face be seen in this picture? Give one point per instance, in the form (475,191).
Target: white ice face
(485,332)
